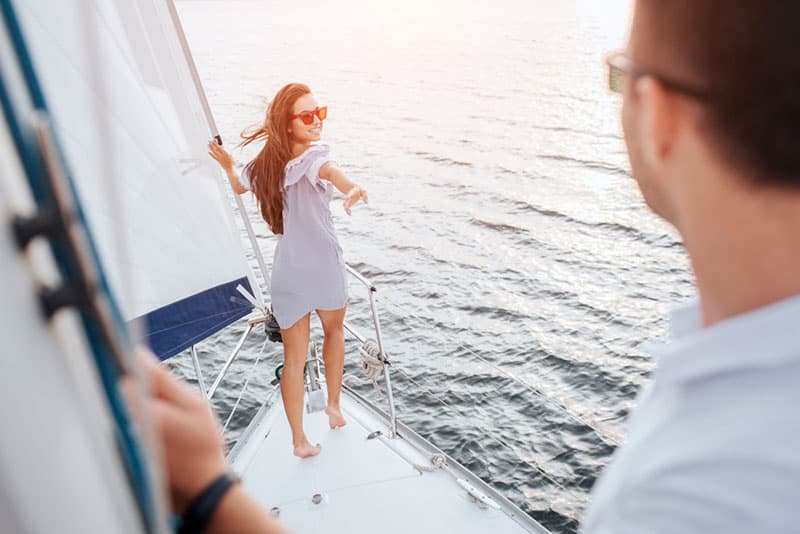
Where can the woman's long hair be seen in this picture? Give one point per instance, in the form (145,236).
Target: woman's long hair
(267,169)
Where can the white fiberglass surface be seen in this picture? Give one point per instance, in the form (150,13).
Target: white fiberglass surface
(276,476)
(132,127)
(427,505)
(363,484)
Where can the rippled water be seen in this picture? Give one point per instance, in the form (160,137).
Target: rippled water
(518,269)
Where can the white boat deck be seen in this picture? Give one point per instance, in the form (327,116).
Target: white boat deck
(365,485)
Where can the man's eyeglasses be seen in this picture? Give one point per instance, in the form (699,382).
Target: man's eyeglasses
(308,116)
(620,66)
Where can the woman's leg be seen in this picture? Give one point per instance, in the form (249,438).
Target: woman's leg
(295,348)
(333,354)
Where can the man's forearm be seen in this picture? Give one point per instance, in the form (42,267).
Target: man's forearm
(238,513)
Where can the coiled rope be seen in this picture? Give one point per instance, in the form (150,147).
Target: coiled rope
(372,364)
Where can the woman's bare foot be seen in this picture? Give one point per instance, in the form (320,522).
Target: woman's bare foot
(306,449)
(335,417)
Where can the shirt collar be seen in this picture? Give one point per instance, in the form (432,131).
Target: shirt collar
(685,320)
(762,338)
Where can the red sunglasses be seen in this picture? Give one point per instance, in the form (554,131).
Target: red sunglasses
(308,116)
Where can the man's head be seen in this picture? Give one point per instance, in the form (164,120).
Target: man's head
(723,92)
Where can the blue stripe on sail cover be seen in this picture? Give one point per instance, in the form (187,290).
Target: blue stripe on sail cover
(177,326)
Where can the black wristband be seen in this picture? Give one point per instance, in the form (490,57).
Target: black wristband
(198,513)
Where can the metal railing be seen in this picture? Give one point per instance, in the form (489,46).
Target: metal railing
(371,290)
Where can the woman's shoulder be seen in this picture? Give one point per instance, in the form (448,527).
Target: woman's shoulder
(307,164)
(312,153)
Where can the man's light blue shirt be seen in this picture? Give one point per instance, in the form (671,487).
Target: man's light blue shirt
(714,443)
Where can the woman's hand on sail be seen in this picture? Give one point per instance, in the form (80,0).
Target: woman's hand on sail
(222,156)
(226,161)
(355,194)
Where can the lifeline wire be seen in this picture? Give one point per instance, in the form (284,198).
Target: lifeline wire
(246,383)
(607,436)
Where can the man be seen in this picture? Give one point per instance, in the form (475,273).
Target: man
(711,115)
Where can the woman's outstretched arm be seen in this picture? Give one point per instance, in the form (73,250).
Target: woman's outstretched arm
(352,192)
(225,161)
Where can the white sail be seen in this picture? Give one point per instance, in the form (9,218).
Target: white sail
(59,457)
(43,491)
(131,124)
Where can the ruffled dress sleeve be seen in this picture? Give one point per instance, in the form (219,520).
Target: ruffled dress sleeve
(307,165)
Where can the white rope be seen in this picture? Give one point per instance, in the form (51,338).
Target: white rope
(244,387)
(372,366)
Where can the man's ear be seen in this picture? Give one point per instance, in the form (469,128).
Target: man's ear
(658,120)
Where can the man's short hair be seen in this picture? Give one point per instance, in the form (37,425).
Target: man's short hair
(746,53)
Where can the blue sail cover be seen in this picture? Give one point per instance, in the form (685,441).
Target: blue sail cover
(131,124)
(176,327)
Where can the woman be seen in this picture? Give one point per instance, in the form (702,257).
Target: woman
(293,181)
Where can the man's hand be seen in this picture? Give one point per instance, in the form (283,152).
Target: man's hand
(191,442)
(191,437)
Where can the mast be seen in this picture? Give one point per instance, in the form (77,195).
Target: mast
(215,135)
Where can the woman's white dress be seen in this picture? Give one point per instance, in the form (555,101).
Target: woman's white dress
(308,271)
